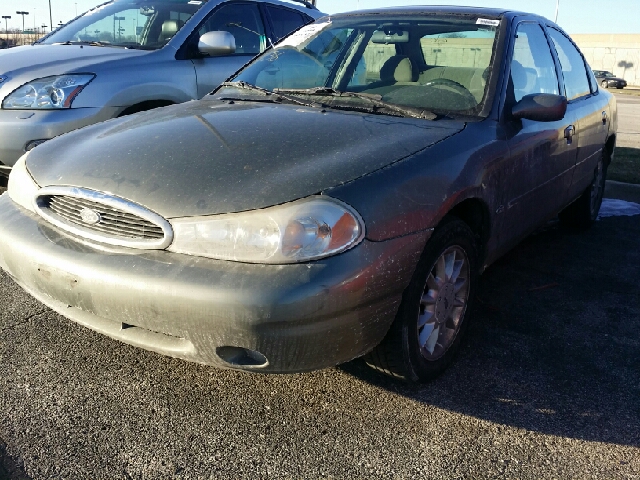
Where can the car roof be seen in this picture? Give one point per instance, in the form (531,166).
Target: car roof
(442,9)
(301,5)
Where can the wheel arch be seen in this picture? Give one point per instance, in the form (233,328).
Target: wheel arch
(144,106)
(475,213)
(609,146)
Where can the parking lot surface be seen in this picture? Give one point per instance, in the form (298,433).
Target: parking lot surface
(547,386)
(629,127)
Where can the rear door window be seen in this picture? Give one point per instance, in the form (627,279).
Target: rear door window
(284,21)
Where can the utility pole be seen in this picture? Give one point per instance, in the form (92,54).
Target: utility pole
(50,18)
(23,14)
(6,17)
(557,8)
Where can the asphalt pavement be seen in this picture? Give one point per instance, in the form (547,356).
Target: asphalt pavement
(546,386)
(628,124)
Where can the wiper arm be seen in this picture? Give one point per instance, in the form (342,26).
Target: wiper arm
(246,86)
(279,96)
(374,99)
(93,43)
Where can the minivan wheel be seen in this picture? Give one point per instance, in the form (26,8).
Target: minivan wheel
(426,333)
(584,211)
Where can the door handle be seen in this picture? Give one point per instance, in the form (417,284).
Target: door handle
(604,118)
(569,132)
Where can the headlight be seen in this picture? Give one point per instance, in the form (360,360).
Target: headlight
(22,189)
(48,93)
(300,231)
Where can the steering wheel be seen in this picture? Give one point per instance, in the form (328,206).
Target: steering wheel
(458,87)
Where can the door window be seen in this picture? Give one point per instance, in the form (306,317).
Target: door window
(243,21)
(576,80)
(284,21)
(532,67)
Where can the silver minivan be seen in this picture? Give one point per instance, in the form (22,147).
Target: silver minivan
(126,56)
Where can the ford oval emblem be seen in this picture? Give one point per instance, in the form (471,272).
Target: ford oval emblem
(89,217)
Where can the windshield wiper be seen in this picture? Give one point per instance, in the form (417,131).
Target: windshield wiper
(379,105)
(93,43)
(278,96)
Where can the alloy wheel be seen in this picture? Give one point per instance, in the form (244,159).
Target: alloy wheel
(443,303)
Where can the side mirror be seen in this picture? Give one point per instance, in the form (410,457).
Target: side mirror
(217,44)
(541,107)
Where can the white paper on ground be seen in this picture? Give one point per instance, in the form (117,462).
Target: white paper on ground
(618,208)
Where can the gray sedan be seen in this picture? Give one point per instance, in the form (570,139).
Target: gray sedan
(338,198)
(126,56)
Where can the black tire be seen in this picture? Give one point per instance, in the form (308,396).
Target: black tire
(583,212)
(401,354)
(605,84)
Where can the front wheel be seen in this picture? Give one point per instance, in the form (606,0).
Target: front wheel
(426,333)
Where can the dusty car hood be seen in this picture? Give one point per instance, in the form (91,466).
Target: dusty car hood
(208,157)
(37,61)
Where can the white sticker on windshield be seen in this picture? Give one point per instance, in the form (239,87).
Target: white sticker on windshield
(302,35)
(488,22)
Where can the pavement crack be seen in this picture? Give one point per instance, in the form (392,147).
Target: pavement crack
(22,322)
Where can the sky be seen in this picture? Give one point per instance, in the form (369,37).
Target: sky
(575,16)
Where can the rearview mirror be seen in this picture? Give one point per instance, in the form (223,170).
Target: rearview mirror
(217,44)
(541,107)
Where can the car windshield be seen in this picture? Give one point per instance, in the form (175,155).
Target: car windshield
(147,24)
(392,65)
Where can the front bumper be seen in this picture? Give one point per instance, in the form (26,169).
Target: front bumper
(18,128)
(300,317)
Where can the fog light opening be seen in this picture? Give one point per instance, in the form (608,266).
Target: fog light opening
(242,357)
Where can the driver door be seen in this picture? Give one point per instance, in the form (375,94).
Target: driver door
(244,22)
(537,177)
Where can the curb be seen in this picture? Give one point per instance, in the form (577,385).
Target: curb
(622,191)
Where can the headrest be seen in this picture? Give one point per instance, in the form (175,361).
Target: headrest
(170,28)
(397,69)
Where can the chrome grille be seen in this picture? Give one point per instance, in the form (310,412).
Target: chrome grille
(113,221)
(103,218)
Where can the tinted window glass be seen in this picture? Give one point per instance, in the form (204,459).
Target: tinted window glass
(532,67)
(243,21)
(576,81)
(284,21)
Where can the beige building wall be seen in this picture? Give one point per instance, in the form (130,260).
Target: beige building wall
(617,53)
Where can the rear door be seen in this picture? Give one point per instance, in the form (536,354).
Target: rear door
(587,105)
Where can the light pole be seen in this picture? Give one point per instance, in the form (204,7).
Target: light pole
(6,17)
(50,17)
(557,8)
(118,19)
(23,14)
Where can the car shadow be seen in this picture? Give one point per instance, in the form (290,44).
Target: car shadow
(554,342)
